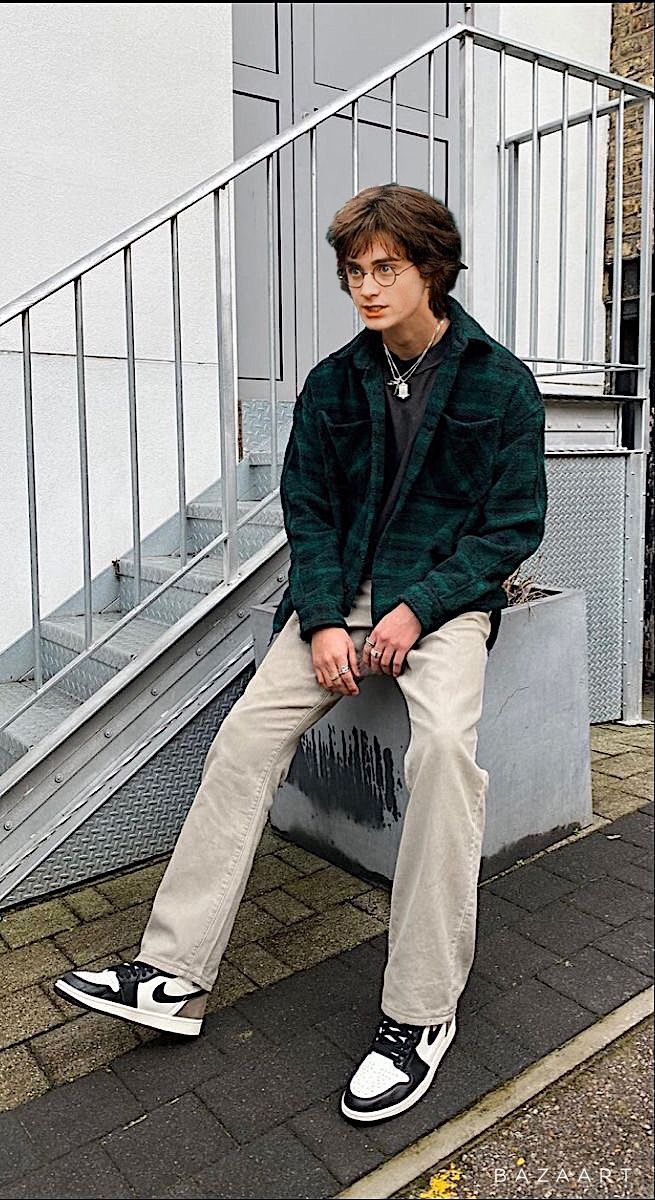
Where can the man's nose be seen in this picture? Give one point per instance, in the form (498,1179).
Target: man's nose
(370,286)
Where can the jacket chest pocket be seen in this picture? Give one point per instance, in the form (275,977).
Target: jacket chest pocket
(459,463)
(346,449)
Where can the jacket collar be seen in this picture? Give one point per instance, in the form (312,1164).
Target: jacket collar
(364,348)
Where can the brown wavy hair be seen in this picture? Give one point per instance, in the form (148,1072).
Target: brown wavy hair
(405,220)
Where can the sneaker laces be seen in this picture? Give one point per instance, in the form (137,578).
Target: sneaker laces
(396,1040)
(136,970)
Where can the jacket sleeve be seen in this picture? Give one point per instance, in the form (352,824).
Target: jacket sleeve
(315,569)
(511,525)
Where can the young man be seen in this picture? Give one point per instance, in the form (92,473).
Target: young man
(413,486)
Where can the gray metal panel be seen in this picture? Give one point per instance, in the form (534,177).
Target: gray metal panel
(143,818)
(254,34)
(341,62)
(583,548)
(262,48)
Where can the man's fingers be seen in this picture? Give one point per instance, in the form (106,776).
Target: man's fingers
(352,658)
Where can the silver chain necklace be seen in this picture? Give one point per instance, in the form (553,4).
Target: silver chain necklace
(400,381)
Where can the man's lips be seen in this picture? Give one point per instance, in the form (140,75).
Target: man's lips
(369,308)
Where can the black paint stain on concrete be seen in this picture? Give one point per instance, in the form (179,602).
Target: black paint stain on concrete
(350,773)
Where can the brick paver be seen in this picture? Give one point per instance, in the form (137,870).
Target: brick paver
(101,1107)
(21,1077)
(36,922)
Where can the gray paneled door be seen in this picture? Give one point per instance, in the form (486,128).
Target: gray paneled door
(289,60)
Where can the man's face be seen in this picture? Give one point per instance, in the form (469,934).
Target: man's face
(403,304)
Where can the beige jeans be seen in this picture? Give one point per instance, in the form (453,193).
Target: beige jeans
(434,893)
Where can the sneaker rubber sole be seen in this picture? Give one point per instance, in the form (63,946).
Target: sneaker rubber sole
(189,1026)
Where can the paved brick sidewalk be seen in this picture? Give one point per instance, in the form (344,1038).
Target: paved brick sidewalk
(250,1108)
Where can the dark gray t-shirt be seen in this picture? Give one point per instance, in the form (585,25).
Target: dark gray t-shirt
(403,420)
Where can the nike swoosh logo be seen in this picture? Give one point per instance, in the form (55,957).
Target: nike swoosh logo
(162,997)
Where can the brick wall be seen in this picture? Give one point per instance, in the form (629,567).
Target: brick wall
(631,55)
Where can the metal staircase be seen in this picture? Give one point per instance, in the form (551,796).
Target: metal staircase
(109,702)
(63,635)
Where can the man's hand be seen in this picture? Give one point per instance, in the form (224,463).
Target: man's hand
(394,635)
(333,648)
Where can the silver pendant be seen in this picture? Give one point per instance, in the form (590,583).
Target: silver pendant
(402,390)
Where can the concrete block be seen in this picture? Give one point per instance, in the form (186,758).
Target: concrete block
(533,739)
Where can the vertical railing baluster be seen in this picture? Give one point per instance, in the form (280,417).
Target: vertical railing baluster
(590,226)
(354,108)
(535,199)
(84,460)
(179,391)
(134,439)
(355,178)
(431,122)
(394,130)
(467,144)
(31,498)
(314,242)
(512,242)
(617,266)
(501,260)
(224,263)
(563,222)
(272,366)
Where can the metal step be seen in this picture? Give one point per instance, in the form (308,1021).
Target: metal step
(176,600)
(63,638)
(205,523)
(44,715)
(199,580)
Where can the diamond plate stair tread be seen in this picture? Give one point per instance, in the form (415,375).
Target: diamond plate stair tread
(210,509)
(156,568)
(44,715)
(263,458)
(120,650)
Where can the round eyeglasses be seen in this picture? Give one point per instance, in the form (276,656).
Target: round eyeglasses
(384,274)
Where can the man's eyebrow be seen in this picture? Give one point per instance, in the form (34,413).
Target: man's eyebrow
(376,261)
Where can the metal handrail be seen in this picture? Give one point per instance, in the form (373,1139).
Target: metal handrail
(260,153)
(220,185)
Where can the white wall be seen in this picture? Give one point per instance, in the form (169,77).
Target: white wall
(109,111)
(580,32)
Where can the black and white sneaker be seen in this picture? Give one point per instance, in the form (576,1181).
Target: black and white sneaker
(135,991)
(397,1071)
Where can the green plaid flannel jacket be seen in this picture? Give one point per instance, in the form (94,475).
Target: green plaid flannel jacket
(473,499)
